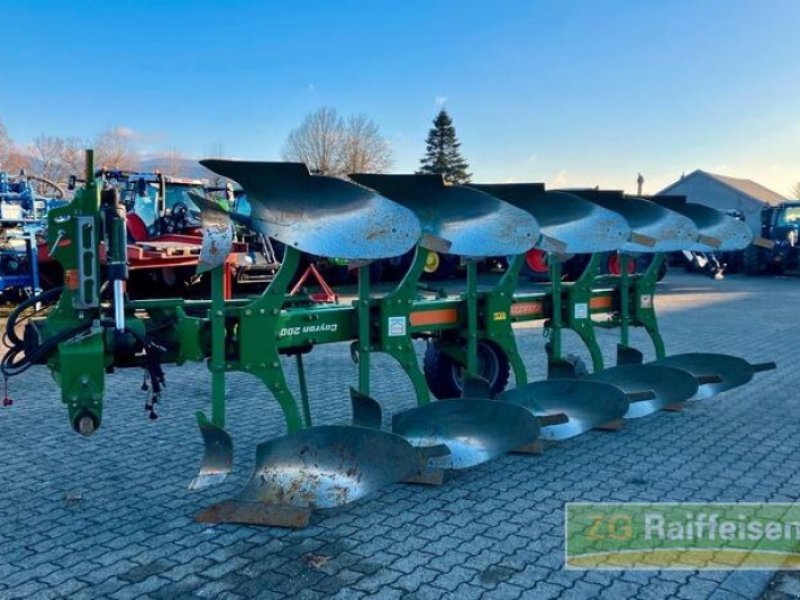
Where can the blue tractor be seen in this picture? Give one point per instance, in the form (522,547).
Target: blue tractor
(22,220)
(780,225)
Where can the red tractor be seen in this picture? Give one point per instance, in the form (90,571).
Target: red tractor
(164,237)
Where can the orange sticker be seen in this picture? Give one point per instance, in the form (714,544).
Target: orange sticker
(71,279)
(524,309)
(443,316)
(601,302)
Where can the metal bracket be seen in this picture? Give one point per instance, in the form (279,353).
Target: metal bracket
(87,293)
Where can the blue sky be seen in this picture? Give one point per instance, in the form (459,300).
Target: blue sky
(569,93)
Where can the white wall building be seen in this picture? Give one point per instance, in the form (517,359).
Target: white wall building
(726,193)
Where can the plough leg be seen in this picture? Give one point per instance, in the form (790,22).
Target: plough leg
(497,318)
(395,339)
(579,310)
(217,458)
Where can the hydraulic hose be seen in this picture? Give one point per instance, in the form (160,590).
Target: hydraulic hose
(45,297)
(17,360)
(11,367)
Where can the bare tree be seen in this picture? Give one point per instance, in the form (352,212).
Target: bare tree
(317,141)
(73,156)
(217,150)
(17,160)
(332,145)
(364,149)
(171,163)
(12,158)
(5,146)
(796,190)
(116,149)
(176,166)
(56,158)
(47,154)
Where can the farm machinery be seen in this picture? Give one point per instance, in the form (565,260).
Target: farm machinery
(780,225)
(164,240)
(537,259)
(464,415)
(22,213)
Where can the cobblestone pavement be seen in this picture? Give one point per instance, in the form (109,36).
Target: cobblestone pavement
(110,516)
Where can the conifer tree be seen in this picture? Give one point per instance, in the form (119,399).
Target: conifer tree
(442,155)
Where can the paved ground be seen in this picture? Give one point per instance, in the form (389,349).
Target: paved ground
(110,516)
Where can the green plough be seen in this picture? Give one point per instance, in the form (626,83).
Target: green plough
(471,350)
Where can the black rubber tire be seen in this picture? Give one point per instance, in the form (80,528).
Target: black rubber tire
(442,372)
(572,269)
(752,261)
(375,272)
(394,269)
(334,275)
(733,262)
(376,269)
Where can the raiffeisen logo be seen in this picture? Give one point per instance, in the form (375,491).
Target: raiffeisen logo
(712,526)
(682,536)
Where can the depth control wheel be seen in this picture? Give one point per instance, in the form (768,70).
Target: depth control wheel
(439,267)
(615,265)
(443,374)
(536,266)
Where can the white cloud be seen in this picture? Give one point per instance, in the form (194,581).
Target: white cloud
(124,132)
(440,100)
(560,180)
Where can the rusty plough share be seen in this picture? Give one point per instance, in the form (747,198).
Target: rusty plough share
(471,345)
